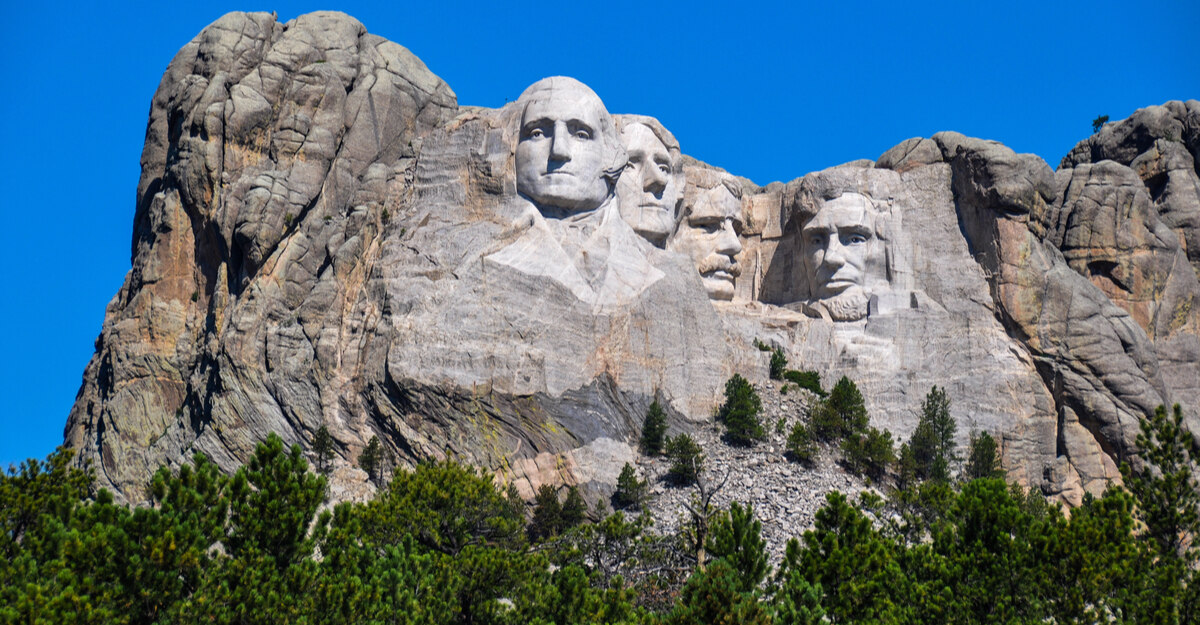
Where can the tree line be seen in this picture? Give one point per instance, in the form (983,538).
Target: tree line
(445,543)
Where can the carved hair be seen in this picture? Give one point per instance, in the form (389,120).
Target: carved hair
(700,180)
(807,198)
(609,137)
(660,132)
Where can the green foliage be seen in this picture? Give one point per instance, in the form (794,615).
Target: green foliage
(547,514)
(1099,122)
(444,544)
(1167,492)
(736,537)
(740,412)
(322,449)
(687,459)
(654,430)
(798,602)
(760,346)
(374,460)
(713,595)
(840,414)
(574,510)
(801,446)
(869,452)
(932,442)
(447,507)
(810,380)
(983,459)
(631,492)
(778,364)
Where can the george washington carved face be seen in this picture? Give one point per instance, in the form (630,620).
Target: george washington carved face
(568,154)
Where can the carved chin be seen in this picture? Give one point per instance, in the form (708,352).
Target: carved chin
(850,305)
(719,288)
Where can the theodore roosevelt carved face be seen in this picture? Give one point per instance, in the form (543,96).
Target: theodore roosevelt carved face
(652,183)
(568,154)
(840,251)
(708,230)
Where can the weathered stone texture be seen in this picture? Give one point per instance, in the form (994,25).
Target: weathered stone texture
(323,236)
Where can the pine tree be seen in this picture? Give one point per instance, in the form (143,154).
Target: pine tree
(740,412)
(778,364)
(737,537)
(932,442)
(547,514)
(631,491)
(800,444)
(713,595)
(574,510)
(323,449)
(1167,492)
(797,602)
(687,461)
(371,460)
(654,430)
(840,414)
(982,458)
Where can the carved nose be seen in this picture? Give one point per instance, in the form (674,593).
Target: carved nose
(728,243)
(560,143)
(653,179)
(835,253)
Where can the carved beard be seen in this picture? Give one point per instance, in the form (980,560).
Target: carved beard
(850,305)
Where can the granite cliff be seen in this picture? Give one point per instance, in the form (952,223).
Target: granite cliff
(324,236)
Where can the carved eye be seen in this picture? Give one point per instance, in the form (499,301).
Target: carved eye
(855,238)
(583,135)
(816,239)
(536,133)
(664,169)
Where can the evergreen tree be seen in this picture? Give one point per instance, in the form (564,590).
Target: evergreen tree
(574,510)
(631,491)
(798,602)
(1167,493)
(713,595)
(654,430)
(800,444)
(869,452)
(778,364)
(322,449)
(740,412)
(932,442)
(841,414)
(547,514)
(736,536)
(446,507)
(982,458)
(810,380)
(371,460)
(687,461)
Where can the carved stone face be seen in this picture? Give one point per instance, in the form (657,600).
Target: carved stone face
(561,155)
(649,188)
(708,233)
(838,247)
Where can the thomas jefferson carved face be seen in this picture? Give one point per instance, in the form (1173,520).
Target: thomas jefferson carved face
(708,233)
(839,248)
(650,185)
(567,152)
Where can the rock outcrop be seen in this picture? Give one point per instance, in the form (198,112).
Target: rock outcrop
(323,236)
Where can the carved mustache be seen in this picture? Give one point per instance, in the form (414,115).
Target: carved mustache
(719,262)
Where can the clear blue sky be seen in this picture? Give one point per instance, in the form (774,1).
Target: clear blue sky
(769,92)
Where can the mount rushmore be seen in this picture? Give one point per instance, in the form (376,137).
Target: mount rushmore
(324,236)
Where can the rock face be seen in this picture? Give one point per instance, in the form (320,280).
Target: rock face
(323,236)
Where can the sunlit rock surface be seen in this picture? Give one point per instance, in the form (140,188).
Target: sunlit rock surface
(323,236)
